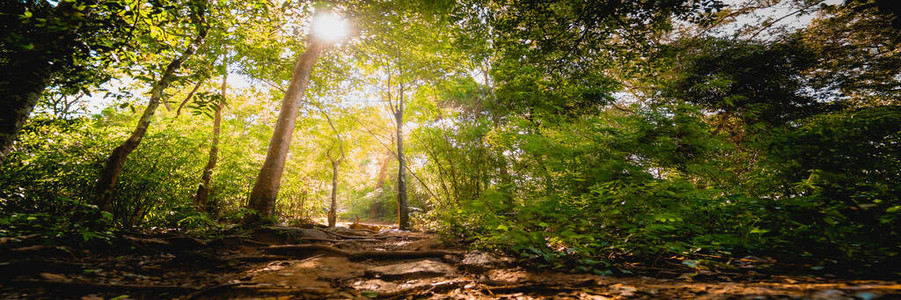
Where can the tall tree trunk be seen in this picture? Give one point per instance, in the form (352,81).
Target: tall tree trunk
(265,190)
(203,191)
(106,184)
(403,212)
(28,72)
(333,206)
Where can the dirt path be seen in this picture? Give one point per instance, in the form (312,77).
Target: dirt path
(313,263)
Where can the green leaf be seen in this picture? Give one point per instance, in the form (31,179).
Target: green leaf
(759,231)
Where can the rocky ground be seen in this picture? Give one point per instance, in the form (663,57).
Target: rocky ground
(362,263)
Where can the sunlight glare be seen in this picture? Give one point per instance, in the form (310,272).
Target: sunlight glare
(329,27)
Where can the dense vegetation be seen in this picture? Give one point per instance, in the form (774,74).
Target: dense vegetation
(572,132)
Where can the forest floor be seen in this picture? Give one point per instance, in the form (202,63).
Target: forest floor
(368,261)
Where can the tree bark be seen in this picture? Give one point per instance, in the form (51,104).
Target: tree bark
(333,207)
(106,184)
(28,72)
(403,212)
(203,191)
(265,190)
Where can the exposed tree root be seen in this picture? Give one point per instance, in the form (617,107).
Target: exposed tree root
(444,287)
(218,288)
(291,249)
(355,237)
(404,254)
(527,287)
(255,243)
(288,249)
(336,240)
(149,245)
(37,265)
(261,258)
(82,286)
(38,251)
(24,240)
(440,287)
(259,289)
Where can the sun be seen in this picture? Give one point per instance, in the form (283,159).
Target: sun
(329,27)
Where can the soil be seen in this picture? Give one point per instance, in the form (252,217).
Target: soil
(371,261)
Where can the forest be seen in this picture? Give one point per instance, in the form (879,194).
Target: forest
(450,149)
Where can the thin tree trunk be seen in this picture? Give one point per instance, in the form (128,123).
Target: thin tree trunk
(403,212)
(265,190)
(203,191)
(333,207)
(28,72)
(188,98)
(106,184)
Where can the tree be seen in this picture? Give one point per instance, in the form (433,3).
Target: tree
(397,111)
(40,42)
(406,48)
(554,58)
(105,186)
(857,53)
(335,162)
(265,190)
(203,190)
(748,86)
